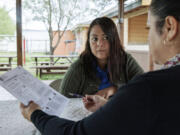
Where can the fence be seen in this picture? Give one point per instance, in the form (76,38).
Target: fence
(8,44)
(37,46)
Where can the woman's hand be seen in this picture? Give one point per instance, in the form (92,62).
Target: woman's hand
(93,102)
(28,110)
(107,92)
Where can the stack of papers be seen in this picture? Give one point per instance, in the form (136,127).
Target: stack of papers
(25,87)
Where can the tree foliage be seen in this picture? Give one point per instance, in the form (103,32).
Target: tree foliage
(59,14)
(55,14)
(7,26)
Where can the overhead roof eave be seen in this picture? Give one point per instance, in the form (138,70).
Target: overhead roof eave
(113,12)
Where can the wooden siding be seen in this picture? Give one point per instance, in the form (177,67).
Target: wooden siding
(138,33)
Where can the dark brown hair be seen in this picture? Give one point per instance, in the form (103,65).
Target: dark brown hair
(164,8)
(116,59)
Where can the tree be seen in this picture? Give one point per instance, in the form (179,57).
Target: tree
(55,14)
(58,14)
(7,26)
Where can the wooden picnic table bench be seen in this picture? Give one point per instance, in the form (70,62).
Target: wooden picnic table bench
(5,66)
(48,63)
(67,57)
(49,67)
(61,69)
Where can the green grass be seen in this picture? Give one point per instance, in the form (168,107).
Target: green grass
(28,64)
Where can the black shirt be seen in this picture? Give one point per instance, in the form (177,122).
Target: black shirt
(147,105)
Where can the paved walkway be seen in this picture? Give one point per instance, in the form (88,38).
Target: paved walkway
(11,120)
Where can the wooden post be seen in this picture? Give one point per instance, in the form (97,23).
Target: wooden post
(19,32)
(121,20)
(151,63)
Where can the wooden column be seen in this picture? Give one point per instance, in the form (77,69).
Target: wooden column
(121,19)
(151,63)
(19,32)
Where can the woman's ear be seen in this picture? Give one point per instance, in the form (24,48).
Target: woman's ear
(170,27)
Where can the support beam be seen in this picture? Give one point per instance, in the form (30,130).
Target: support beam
(19,32)
(151,63)
(121,20)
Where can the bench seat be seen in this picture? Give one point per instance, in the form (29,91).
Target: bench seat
(61,69)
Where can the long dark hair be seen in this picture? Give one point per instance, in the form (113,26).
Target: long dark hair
(116,59)
(164,8)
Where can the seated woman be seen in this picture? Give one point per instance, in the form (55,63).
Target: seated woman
(103,66)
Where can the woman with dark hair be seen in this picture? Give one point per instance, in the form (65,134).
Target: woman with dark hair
(103,66)
(149,104)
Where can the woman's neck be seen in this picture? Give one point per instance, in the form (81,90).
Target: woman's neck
(102,63)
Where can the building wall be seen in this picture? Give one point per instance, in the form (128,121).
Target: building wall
(142,57)
(84,38)
(65,49)
(137,32)
(81,37)
(136,36)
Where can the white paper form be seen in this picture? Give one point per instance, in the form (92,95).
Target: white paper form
(75,110)
(25,87)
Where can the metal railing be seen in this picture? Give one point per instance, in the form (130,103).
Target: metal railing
(8,44)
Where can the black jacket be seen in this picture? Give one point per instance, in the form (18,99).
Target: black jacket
(147,105)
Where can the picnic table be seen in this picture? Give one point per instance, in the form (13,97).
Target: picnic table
(5,66)
(59,65)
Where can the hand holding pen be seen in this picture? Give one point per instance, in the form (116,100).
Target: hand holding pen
(85,98)
(75,95)
(93,102)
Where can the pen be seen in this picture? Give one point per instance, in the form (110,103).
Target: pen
(75,95)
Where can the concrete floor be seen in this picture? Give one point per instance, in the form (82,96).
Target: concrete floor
(11,120)
(13,123)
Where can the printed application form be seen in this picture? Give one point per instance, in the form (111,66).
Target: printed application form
(75,110)
(25,87)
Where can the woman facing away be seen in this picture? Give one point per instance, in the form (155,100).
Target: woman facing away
(103,66)
(148,104)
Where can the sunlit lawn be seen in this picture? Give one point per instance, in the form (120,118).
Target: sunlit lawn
(29,63)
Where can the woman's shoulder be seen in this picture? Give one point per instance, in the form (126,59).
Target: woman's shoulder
(130,60)
(77,63)
(128,56)
(76,67)
(132,67)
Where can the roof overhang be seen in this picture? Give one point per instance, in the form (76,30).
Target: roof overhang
(113,12)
